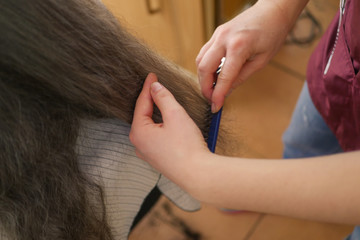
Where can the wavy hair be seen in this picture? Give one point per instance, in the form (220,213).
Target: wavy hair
(60,62)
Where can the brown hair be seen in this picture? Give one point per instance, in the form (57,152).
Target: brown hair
(62,61)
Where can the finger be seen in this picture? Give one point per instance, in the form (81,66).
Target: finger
(207,70)
(144,104)
(226,78)
(203,50)
(250,67)
(165,101)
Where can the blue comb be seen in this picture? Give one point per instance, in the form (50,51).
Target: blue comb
(215,121)
(214,130)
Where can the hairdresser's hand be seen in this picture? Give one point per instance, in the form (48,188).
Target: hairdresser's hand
(248,42)
(172,147)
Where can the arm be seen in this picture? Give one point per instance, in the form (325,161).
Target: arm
(248,42)
(324,188)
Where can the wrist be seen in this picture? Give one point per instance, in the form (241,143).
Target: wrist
(198,174)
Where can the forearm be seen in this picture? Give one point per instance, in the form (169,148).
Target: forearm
(324,188)
(288,9)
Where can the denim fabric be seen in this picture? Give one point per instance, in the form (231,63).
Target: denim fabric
(355,234)
(308,136)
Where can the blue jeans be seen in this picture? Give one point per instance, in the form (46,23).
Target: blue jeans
(309,136)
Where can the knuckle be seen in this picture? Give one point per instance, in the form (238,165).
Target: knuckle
(221,30)
(197,60)
(236,43)
(217,31)
(225,78)
(199,57)
(228,77)
(202,66)
(132,137)
(162,94)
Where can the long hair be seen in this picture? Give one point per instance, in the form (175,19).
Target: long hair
(60,62)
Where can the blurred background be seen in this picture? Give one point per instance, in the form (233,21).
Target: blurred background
(257,113)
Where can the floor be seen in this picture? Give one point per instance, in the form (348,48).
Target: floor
(257,113)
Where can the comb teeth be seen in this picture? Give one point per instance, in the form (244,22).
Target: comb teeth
(207,123)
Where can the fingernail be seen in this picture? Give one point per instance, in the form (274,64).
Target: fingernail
(213,108)
(156,86)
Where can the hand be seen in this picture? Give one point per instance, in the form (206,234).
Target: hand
(248,42)
(170,147)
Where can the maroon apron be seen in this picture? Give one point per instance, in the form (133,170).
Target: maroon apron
(333,76)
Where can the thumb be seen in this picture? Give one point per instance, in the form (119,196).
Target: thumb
(164,100)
